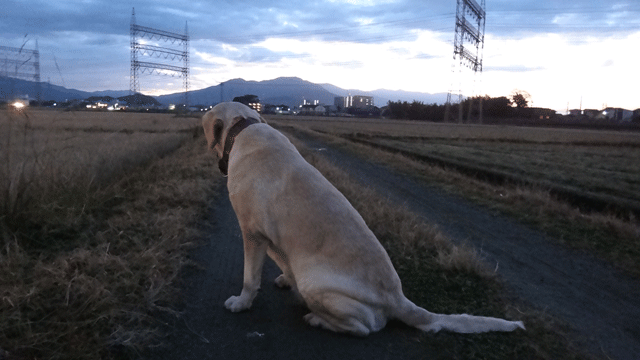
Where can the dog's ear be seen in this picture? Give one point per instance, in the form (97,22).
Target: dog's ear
(218,126)
(213,129)
(262,120)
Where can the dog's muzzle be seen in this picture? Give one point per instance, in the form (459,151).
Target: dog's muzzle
(223,164)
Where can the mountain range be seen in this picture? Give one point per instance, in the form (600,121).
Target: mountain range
(291,91)
(10,87)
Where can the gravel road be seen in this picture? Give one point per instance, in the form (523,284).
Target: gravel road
(601,303)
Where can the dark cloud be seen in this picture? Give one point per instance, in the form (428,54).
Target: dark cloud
(424,56)
(246,22)
(515,68)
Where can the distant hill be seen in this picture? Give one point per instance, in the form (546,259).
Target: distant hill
(10,88)
(293,91)
(290,91)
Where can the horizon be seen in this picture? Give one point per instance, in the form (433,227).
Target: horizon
(362,92)
(563,55)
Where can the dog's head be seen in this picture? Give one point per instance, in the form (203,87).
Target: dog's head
(220,119)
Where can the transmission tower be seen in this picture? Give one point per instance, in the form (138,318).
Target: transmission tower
(468,46)
(176,49)
(20,63)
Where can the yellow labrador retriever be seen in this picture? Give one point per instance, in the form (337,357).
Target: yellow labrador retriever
(289,211)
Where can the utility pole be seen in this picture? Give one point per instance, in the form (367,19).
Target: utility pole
(21,63)
(176,49)
(468,46)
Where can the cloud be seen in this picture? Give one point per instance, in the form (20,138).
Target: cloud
(513,68)
(424,56)
(556,70)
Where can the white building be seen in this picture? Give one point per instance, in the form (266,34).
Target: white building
(356,101)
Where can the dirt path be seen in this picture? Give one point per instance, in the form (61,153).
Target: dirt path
(602,303)
(273,328)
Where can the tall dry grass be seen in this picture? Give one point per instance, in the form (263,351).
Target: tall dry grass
(48,169)
(94,239)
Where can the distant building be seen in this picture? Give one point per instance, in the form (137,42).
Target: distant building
(617,114)
(256,106)
(341,102)
(361,102)
(310,109)
(355,101)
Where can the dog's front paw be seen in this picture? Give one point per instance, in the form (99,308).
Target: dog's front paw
(236,304)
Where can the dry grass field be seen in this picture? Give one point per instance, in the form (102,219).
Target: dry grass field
(98,211)
(46,153)
(428,130)
(607,169)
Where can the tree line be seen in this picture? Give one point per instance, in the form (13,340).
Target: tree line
(494,109)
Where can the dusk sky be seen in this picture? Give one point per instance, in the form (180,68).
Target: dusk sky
(561,53)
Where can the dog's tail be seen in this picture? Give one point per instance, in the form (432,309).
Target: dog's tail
(416,316)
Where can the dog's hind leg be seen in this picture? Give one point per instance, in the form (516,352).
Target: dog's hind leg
(351,325)
(255,250)
(285,279)
(337,312)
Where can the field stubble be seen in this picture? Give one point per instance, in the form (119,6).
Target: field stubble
(96,218)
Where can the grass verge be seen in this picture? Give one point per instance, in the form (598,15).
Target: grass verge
(86,281)
(446,278)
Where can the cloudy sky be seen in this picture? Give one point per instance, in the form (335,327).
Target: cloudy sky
(560,52)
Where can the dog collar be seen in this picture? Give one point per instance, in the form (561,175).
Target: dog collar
(242,124)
